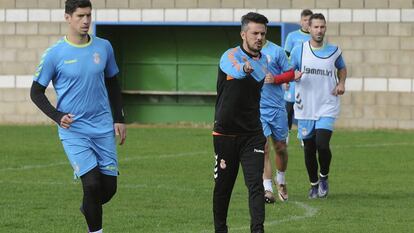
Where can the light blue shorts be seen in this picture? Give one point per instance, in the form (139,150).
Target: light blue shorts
(275,124)
(86,153)
(306,128)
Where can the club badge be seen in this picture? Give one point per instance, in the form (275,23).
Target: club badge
(96,58)
(223,164)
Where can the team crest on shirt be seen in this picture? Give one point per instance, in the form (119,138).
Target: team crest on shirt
(96,58)
(223,164)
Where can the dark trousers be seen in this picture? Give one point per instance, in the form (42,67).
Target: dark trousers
(290,113)
(230,152)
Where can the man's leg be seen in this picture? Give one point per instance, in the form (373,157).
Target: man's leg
(323,137)
(281,161)
(279,135)
(311,166)
(225,174)
(84,162)
(310,160)
(323,131)
(267,174)
(105,150)
(306,132)
(251,158)
(109,186)
(92,199)
(289,110)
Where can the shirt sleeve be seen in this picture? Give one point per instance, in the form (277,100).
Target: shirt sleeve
(46,70)
(111,68)
(340,63)
(288,43)
(37,94)
(295,58)
(283,60)
(260,68)
(115,99)
(231,64)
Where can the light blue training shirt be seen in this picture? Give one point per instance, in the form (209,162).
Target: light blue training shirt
(77,73)
(272,94)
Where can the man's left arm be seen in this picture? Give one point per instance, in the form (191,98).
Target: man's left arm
(288,75)
(114,93)
(115,99)
(341,74)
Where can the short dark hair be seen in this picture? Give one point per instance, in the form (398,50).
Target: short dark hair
(316,16)
(306,12)
(72,5)
(252,17)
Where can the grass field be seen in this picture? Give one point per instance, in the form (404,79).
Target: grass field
(166,185)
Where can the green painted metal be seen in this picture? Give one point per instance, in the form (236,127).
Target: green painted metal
(176,59)
(197,78)
(160,77)
(169,113)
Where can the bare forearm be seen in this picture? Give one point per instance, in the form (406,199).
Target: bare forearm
(342,75)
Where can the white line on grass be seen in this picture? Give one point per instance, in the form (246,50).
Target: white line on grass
(163,156)
(374,145)
(309,212)
(28,167)
(166,156)
(75,182)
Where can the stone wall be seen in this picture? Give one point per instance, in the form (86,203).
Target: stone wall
(376,36)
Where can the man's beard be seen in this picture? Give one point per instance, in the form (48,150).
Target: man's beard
(318,38)
(251,48)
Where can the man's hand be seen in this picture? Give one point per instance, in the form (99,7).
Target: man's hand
(298,75)
(66,121)
(339,89)
(287,85)
(247,68)
(120,130)
(269,78)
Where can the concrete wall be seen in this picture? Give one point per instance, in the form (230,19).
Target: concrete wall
(376,36)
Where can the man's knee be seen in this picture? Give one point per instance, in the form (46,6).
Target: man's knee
(109,193)
(91,184)
(280,148)
(254,181)
(109,184)
(92,190)
(322,146)
(323,138)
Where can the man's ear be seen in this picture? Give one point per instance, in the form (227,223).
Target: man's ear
(243,35)
(67,17)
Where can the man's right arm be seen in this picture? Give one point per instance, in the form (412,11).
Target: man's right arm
(231,65)
(37,94)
